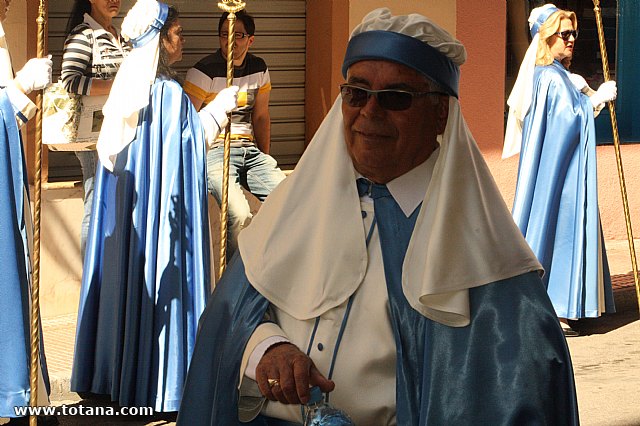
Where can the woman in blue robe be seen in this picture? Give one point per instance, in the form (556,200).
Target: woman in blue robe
(556,201)
(146,277)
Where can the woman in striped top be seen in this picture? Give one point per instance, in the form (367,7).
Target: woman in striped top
(92,55)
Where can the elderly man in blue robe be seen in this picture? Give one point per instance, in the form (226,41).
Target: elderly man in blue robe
(386,269)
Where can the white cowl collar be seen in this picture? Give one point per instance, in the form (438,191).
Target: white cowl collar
(305,250)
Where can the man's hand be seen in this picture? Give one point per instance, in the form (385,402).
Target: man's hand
(294,373)
(35,75)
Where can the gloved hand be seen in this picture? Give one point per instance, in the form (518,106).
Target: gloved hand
(606,92)
(226,101)
(578,81)
(35,75)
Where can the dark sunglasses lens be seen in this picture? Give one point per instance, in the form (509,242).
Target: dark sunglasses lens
(566,35)
(394,101)
(354,97)
(390,100)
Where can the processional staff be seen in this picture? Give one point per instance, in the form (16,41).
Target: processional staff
(35,288)
(231,6)
(616,146)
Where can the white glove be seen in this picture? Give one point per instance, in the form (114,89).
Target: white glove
(35,75)
(224,102)
(578,81)
(606,92)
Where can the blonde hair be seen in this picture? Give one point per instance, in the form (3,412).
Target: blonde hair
(550,27)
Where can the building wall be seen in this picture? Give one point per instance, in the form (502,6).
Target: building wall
(442,12)
(479,27)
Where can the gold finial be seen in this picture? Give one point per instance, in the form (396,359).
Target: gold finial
(231,6)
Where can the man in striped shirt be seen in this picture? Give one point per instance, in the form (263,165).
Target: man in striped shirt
(251,166)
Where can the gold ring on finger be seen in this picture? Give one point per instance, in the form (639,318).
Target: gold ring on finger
(273,382)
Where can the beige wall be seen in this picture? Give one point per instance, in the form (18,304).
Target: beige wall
(443,12)
(481,28)
(16,33)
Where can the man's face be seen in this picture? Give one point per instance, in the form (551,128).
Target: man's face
(4,8)
(385,144)
(241,45)
(561,49)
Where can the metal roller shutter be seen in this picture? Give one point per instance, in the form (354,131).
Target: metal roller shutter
(280,41)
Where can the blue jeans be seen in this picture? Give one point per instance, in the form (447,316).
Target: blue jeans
(88,164)
(249,168)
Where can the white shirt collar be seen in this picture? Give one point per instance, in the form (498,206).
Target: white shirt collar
(409,189)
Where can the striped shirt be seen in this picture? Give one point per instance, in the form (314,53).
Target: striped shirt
(79,67)
(209,76)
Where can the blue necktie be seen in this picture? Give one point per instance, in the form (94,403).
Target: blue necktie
(394,231)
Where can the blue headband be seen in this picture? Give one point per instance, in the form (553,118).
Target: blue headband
(542,18)
(154,28)
(405,50)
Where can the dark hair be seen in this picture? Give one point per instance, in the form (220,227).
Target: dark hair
(164,68)
(247,20)
(80,7)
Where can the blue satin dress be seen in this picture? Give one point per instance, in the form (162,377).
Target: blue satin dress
(556,201)
(15,314)
(146,276)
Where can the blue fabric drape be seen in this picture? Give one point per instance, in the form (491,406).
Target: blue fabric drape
(15,292)
(509,366)
(556,201)
(146,273)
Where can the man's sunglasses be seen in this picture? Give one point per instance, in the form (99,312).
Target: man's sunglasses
(237,35)
(566,35)
(389,99)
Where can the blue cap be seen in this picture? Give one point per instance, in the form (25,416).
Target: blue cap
(154,28)
(405,50)
(541,19)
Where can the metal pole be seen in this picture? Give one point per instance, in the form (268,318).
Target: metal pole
(616,145)
(35,289)
(231,6)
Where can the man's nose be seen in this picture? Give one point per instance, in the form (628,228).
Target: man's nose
(372,108)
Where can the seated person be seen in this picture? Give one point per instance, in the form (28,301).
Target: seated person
(250,164)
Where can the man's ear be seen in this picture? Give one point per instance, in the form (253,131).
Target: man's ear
(250,41)
(443,114)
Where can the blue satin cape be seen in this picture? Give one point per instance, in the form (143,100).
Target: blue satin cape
(556,201)
(146,276)
(15,292)
(510,366)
